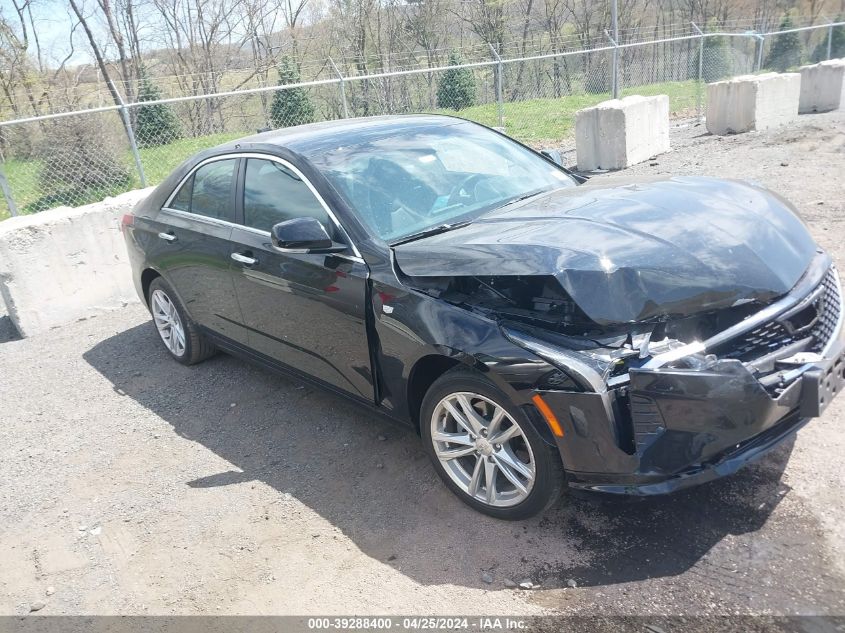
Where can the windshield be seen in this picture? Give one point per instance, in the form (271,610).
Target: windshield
(413,180)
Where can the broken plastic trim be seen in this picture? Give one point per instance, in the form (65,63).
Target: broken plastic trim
(696,347)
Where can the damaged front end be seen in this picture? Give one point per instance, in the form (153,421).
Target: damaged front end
(652,406)
(692,322)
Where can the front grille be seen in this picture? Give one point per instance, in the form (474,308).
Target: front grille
(823,314)
(825,328)
(758,342)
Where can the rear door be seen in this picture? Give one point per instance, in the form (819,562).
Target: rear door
(194,232)
(304,310)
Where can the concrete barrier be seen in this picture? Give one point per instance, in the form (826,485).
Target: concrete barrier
(752,102)
(621,132)
(822,86)
(64,264)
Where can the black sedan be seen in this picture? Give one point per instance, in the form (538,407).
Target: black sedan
(631,337)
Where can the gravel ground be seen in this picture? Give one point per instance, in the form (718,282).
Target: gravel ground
(133,485)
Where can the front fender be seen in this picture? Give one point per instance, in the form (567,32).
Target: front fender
(409,326)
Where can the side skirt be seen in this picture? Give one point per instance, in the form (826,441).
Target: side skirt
(262,360)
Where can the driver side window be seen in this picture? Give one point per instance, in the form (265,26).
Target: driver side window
(273,193)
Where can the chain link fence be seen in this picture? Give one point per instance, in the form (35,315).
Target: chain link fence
(76,158)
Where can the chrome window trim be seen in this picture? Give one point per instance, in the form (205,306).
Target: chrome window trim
(233,225)
(201,218)
(260,156)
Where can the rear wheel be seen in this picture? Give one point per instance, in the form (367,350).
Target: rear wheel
(485,448)
(180,335)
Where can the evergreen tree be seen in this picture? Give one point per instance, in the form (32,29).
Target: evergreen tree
(456,88)
(291,106)
(716,64)
(787,50)
(154,124)
(837,44)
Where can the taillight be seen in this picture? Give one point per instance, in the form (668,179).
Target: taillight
(127,221)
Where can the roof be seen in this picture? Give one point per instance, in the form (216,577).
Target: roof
(313,137)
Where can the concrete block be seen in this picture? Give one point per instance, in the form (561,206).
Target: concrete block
(822,86)
(621,132)
(64,264)
(752,102)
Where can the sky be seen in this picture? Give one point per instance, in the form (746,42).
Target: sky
(54,21)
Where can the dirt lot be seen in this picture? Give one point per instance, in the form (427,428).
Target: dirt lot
(133,485)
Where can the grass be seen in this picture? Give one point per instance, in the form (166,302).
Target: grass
(23,181)
(548,121)
(540,122)
(159,161)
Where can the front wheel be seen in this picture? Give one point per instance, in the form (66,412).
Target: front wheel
(486,450)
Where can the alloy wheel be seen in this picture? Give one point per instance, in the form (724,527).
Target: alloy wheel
(482,449)
(168,323)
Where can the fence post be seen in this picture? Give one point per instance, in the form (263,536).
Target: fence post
(700,78)
(342,85)
(761,39)
(614,72)
(500,74)
(7,192)
(829,40)
(614,19)
(132,144)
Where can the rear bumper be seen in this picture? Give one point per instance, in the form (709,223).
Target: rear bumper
(669,429)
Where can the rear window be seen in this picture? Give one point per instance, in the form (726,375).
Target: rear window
(208,191)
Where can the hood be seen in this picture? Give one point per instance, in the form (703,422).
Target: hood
(635,250)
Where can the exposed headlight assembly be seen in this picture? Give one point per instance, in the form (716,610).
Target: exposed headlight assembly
(586,367)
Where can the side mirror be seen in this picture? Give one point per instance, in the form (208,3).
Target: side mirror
(303,235)
(556,157)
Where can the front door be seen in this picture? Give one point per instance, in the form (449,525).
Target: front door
(304,310)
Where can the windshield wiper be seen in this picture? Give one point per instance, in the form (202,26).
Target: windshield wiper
(525,197)
(435,230)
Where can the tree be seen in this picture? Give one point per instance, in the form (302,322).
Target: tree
(787,50)
(154,124)
(716,63)
(80,163)
(456,89)
(290,106)
(837,44)
(99,56)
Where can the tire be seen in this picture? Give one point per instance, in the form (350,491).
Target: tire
(169,318)
(472,453)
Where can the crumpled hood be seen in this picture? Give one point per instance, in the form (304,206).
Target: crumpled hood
(634,250)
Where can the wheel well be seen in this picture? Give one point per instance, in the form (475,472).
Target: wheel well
(146,279)
(424,373)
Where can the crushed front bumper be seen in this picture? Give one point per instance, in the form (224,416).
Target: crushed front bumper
(674,428)
(731,462)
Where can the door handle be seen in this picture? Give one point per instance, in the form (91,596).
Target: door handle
(244,259)
(168,237)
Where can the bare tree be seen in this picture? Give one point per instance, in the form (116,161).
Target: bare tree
(202,38)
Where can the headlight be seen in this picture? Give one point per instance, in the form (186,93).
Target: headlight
(586,369)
